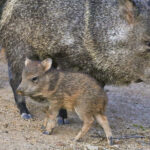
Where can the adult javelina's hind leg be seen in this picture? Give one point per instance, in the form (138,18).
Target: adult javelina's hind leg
(15,56)
(62,117)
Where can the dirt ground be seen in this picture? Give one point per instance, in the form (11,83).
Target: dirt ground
(128,112)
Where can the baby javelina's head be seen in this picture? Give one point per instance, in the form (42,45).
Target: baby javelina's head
(34,77)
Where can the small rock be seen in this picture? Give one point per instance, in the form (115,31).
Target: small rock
(6,131)
(60,144)
(5,125)
(91,147)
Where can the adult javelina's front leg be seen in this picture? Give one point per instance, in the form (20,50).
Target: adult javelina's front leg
(15,56)
(15,80)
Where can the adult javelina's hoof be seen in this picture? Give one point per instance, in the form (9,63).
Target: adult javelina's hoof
(47,133)
(26,116)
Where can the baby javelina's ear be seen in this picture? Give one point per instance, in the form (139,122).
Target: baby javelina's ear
(47,63)
(27,61)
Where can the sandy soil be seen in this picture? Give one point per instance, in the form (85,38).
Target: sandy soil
(128,112)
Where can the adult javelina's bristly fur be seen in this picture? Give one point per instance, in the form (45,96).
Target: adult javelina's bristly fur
(73,91)
(108,39)
(102,38)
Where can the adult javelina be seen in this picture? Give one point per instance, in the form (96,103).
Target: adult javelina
(73,91)
(108,39)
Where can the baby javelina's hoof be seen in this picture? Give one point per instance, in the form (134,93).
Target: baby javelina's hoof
(110,140)
(43,127)
(47,133)
(68,90)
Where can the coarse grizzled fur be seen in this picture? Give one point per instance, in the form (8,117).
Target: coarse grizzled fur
(108,39)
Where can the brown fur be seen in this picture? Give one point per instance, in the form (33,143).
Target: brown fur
(72,91)
(70,101)
(128,11)
(2,51)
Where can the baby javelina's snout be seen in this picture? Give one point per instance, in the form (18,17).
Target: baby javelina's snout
(73,91)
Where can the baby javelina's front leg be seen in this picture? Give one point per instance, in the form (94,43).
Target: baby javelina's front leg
(69,90)
(51,119)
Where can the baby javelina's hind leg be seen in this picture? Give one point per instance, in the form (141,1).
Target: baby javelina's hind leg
(51,119)
(87,123)
(103,121)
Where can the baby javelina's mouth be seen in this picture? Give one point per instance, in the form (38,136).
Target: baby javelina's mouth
(19,91)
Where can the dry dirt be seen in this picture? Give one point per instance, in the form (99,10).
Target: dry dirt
(128,112)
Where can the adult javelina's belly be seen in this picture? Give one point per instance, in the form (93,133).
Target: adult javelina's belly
(95,36)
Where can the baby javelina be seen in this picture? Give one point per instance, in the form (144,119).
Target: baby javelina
(73,91)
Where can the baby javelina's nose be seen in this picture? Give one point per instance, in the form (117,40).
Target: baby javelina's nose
(20,90)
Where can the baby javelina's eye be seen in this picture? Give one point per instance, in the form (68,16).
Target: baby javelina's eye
(34,79)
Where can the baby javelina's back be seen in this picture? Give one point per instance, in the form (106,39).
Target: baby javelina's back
(73,91)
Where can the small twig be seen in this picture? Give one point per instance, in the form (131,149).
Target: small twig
(129,137)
